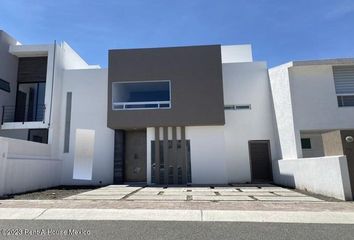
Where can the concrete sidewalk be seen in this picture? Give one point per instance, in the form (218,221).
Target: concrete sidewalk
(177,215)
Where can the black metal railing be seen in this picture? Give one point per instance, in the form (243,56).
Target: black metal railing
(23,113)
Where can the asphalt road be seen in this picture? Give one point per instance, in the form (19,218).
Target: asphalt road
(170,230)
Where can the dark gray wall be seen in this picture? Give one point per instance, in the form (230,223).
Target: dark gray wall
(8,70)
(32,69)
(196,83)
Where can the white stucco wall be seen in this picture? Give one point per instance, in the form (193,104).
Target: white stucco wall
(89,111)
(289,138)
(236,53)
(208,155)
(315,101)
(247,83)
(26,166)
(328,176)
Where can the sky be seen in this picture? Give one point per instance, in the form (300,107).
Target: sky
(279,30)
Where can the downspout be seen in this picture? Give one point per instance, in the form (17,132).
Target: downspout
(51,96)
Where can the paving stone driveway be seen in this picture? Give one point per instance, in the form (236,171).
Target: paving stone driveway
(265,192)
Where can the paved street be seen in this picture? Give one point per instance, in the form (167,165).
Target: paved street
(174,230)
(235,193)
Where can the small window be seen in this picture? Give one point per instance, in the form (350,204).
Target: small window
(344,85)
(141,95)
(4,85)
(305,143)
(237,107)
(243,107)
(229,107)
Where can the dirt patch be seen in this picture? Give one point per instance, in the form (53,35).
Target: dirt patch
(51,193)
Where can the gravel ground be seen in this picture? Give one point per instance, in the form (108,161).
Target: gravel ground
(51,193)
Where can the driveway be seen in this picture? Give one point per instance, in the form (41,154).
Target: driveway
(264,193)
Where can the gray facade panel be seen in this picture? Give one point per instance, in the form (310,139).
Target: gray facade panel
(67,122)
(196,85)
(32,69)
(8,70)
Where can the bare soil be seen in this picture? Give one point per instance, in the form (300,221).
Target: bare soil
(60,192)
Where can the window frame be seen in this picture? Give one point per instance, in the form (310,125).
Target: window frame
(340,102)
(158,103)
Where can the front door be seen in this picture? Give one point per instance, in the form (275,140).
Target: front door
(261,168)
(135,156)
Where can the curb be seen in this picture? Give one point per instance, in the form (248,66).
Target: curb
(177,215)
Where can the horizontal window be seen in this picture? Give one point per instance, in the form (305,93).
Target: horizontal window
(4,85)
(141,95)
(238,107)
(344,85)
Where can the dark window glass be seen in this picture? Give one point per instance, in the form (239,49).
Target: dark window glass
(5,86)
(241,107)
(38,135)
(305,143)
(345,101)
(229,107)
(30,102)
(141,92)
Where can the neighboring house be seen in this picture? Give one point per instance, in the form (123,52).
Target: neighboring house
(179,115)
(312,100)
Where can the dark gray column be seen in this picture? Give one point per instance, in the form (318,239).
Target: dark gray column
(165,154)
(174,155)
(119,146)
(157,155)
(183,160)
(67,122)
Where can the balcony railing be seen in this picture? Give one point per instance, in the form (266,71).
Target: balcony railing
(141,105)
(23,113)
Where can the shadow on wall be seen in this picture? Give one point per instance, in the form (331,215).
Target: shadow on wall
(287,180)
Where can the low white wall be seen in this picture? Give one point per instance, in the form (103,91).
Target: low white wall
(26,166)
(328,176)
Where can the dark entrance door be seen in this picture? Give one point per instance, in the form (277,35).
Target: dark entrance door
(261,168)
(135,156)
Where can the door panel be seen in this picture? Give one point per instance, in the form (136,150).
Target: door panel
(175,168)
(135,156)
(260,160)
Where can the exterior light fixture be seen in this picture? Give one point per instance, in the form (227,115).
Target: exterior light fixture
(349,139)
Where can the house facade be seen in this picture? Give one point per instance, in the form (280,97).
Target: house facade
(174,115)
